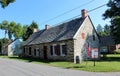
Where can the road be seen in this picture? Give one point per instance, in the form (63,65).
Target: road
(10,67)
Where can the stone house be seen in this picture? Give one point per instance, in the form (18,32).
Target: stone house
(68,41)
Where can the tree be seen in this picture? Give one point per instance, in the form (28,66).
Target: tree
(24,34)
(107,29)
(113,13)
(11,29)
(34,25)
(5,3)
(18,31)
(99,28)
(4,26)
(29,30)
(103,31)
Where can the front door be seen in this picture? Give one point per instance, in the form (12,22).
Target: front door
(45,52)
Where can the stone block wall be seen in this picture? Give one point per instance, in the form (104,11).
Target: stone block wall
(81,43)
(68,57)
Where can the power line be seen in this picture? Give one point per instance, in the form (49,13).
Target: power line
(97,8)
(68,11)
(80,14)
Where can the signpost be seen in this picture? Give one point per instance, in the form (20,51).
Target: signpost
(94,54)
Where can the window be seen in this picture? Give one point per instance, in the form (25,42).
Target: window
(24,50)
(93,37)
(36,52)
(29,50)
(83,35)
(53,50)
(57,50)
(63,49)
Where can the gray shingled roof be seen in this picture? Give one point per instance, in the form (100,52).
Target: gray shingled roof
(63,31)
(107,41)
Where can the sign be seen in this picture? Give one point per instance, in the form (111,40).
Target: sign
(94,53)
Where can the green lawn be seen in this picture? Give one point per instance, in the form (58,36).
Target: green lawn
(110,64)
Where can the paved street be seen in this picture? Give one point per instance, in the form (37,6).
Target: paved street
(18,68)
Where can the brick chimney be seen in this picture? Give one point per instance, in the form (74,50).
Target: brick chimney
(35,30)
(84,13)
(47,26)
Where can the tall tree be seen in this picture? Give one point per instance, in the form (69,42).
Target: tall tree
(5,3)
(34,25)
(4,26)
(11,29)
(30,30)
(107,29)
(113,13)
(18,31)
(99,28)
(24,33)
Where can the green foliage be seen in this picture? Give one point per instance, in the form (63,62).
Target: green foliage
(103,31)
(5,3)
(5,40)
(113,13)
(99,28)
(11,29)
(34,25)
(116,51)
(107,29)
(4,26)
(24,35)
(28,30)
(18,31)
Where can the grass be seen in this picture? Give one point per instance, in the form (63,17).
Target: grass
(110,64)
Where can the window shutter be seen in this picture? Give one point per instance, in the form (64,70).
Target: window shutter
(51,50)
(58,49)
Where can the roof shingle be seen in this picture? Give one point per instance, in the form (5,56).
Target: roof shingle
(63,31)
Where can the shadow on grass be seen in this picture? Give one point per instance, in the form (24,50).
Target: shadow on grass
(75,67)
(30,59)
(111,59)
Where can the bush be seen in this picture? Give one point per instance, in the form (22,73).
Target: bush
(116,51)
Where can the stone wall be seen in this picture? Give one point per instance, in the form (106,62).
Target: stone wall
(80,43)
(68,57)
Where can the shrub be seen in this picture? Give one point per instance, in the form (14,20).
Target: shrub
(116,51)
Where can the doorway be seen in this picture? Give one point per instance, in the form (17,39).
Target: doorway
(45,52)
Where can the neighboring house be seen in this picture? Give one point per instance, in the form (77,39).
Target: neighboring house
(13,48)
(69,41)
(107,44)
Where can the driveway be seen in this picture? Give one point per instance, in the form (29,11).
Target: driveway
(10,67)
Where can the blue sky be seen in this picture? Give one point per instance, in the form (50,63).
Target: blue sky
(26,11)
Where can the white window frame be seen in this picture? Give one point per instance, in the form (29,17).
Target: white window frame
(37,51)
(53,49)
(61,51)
